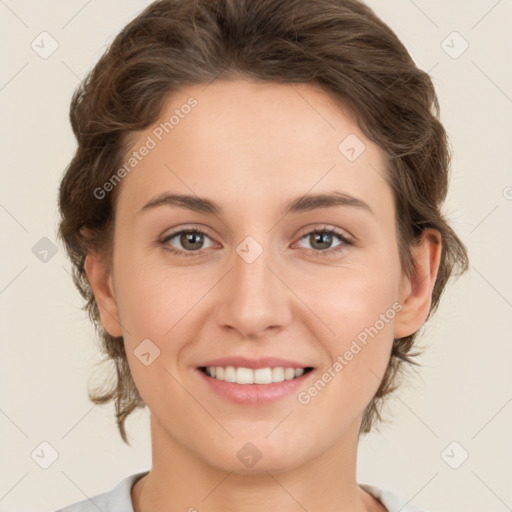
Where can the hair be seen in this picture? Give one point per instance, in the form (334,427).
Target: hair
(340,46)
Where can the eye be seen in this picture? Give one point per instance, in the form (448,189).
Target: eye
(322,237)
(191,240)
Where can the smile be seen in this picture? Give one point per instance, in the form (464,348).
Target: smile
(242,375)
(254,386)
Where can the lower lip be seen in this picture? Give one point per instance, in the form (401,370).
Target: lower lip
(255,394)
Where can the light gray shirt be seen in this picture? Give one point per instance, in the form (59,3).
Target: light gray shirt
(119,499)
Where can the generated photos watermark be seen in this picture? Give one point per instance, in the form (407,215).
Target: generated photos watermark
(304,397)
(151,142)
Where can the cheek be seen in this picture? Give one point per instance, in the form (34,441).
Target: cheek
(359,310)
(142,307)
(152,297)
(356,300)
(153,312)
(156,303)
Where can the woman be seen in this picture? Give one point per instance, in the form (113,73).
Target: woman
(253,215)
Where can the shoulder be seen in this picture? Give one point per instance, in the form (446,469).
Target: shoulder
(117,499)
(390,500)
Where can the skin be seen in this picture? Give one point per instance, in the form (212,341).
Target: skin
(252,147)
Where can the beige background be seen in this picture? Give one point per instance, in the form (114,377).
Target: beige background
(464,391)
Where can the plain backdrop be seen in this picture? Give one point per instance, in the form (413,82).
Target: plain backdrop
(458,405)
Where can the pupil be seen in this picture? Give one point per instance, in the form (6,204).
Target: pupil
(189,237)
(326,237)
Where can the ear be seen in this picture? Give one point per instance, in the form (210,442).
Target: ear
(101,283)
(416,293)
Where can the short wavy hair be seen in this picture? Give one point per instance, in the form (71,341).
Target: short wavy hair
(338,45)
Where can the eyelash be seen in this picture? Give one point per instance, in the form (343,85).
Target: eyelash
(323,253)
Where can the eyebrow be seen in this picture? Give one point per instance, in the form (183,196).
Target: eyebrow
(304,203)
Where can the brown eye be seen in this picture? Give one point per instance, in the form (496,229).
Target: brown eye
(190,242)
(321,241)
(324,240)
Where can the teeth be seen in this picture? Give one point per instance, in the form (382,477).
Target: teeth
(278,374)
(242,375)
(289,373)
(229,374)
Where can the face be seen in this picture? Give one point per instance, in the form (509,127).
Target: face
(250,278)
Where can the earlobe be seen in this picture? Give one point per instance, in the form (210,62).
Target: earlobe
(101,284)
(416,293)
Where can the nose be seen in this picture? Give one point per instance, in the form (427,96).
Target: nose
(254,296)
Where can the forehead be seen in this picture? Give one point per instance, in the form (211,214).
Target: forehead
(253,142)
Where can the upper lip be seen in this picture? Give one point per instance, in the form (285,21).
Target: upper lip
(263,362)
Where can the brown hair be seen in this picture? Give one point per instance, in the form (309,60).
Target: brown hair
(339,45)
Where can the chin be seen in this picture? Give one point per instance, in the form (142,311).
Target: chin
(254,458)
(261,467)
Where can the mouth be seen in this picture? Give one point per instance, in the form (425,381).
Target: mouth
(253,376)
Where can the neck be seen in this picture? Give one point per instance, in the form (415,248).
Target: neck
(180,480)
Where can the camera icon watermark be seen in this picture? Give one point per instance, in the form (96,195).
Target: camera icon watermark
(44,250)
(146,352)
(249,249)
(454,455)
(454,45)
(44,455)
(249,454)
(351,147)
(45,45)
